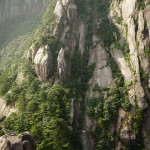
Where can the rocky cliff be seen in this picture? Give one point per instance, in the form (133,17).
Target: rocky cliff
(130,50)
(100,51)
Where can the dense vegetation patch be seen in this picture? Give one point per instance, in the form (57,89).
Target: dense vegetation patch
(43,110)
(11,60)
(84,7)
(141,5)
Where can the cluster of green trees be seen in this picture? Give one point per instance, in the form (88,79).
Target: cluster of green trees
(42,109)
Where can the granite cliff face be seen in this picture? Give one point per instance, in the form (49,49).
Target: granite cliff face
(136,21)
(104,47)
(132,22)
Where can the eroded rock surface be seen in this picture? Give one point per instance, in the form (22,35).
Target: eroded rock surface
(23,142)
(134,28)
(71,31)
(6,110)
(131,68)
(43,62)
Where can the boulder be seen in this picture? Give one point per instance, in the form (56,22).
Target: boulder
(43,62)
(24,141)
(28,141)
(10,142)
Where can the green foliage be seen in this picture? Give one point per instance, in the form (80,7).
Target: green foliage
(44,114)
(102,141)
(103,7)
(137,122)
(141,5)
(144,79)
(6,80)
(105,110)
(108,108)
(125,50)
(58,134)
(1,131)
(137,125)
(43,34)
(106,28)
(128,83)
(12,54)
(83,7)
(2,118)
(42,109)
(80,71)
(147,51)
(119,20)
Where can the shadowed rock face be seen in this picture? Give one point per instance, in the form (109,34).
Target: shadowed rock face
(28,141)
(23,142)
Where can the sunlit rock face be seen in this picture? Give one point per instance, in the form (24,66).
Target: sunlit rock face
(137,35)
(6,110)
(43,61)
(10,8)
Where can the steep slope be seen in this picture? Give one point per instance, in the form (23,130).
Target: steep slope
(18,17)
(85,80)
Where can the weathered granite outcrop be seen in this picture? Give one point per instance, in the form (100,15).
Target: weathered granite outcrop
(6,110)
(43,62)
(62,65)
(102,76)
(134,28)
(24,141)
(128,11)
(70,31)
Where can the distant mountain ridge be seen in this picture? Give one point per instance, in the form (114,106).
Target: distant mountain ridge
(11,8)
(17,17)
